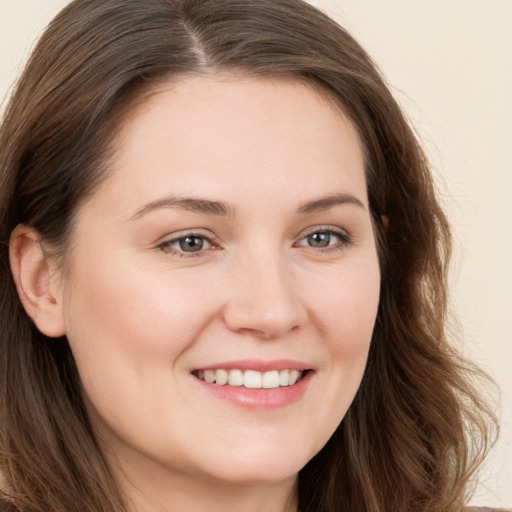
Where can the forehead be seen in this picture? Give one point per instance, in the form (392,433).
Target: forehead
(239,135)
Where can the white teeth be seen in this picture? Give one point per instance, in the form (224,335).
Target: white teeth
(236,378)
(271,379)
(209,376)
(294,376)
(284,378)
(250,378)
(221,377)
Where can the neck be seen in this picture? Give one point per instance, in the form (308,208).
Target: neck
(145,492)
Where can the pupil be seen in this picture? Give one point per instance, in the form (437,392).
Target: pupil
(191,244)
(319,239)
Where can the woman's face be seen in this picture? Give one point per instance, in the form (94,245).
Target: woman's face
(232,241)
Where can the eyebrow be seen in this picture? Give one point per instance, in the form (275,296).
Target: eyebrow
(193,204)
(325,203)
(219,208)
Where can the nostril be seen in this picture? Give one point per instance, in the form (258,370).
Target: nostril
(257,320)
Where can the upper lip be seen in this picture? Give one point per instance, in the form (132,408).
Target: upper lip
(257,365)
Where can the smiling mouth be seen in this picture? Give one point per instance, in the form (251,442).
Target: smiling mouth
(251,379)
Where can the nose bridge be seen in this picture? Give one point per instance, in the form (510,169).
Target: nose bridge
(264,295)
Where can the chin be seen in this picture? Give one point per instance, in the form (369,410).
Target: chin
(243,473)
(269,467)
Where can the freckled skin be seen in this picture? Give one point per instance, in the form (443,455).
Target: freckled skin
(141,313)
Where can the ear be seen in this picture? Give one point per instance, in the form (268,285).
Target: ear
(36,281)
(385,221)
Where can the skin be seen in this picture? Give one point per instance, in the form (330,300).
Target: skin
(141,314)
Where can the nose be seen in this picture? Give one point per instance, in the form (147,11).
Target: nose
(265,300)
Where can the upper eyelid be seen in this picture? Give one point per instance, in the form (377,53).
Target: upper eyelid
(168,240)
(214,240)
(345,239)
(199,232)
(323,228)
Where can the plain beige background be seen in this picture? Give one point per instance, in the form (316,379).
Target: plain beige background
(449,63)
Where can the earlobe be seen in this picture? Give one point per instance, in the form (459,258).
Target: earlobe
(37,287)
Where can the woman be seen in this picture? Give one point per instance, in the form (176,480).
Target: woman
(223,273)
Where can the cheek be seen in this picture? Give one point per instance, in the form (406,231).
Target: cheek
(346,304)
(346,311)
(127,328)
(133,308)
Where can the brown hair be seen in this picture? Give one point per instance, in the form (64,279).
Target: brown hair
(416,429)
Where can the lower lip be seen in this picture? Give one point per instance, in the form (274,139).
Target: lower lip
(259,398)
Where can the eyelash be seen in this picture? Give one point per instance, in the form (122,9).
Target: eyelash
(344,240)
(167,245)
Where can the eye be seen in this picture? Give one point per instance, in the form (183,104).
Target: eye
(187,245)
(324,239)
